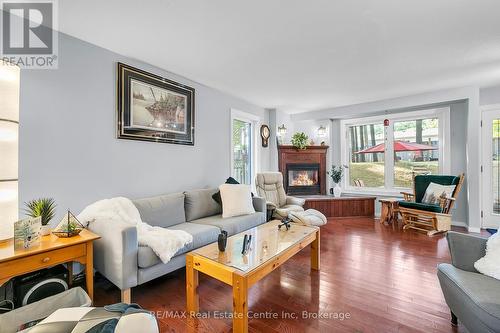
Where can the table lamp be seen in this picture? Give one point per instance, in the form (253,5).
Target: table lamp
(9,146)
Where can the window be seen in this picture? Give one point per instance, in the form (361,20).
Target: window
(242,151)
(243,146)
(416,150)
(366,152)
(387,158)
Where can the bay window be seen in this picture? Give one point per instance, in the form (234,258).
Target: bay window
(385,153)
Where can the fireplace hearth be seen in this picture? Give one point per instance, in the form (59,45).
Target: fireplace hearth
(303,178)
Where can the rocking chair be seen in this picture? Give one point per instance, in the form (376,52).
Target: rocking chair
(430,218)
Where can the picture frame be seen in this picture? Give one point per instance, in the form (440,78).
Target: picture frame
(27,233)
(153,108)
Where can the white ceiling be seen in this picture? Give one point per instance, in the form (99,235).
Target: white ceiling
(302,55)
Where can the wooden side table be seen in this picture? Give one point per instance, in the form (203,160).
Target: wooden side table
(51,251)
(390,210)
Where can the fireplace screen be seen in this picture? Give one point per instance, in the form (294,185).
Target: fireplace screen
(303,177)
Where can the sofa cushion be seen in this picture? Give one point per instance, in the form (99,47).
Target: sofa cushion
(202,235)
(236,224)
(216,196)
(236,200)
(199,204)
(471,295)
(435,192)
(163,210)
(420,206)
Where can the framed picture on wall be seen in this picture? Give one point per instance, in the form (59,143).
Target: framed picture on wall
(153,108)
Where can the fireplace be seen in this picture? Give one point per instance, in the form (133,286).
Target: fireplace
(303,178)
(304,170)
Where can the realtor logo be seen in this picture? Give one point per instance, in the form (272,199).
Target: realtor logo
(29,36)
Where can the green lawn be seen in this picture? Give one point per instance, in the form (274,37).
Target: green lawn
(372,173)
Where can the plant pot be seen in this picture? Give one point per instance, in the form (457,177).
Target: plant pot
(337,191)
(45,230)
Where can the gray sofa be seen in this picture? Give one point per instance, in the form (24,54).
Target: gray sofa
(472,297)
(121,260)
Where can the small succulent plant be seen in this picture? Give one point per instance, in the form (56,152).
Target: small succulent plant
(43,207)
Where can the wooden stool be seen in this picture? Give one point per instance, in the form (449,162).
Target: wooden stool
(390,210)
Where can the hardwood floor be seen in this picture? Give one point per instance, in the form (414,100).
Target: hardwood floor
(383,278)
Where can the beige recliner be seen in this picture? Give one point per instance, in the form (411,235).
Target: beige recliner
(270,187)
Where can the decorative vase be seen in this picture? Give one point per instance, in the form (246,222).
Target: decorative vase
(337,191)
(331,190)
(45,230)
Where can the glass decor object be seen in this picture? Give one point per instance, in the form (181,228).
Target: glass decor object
(68,227)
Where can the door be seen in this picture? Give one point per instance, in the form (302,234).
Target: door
(491,168)
(242,151)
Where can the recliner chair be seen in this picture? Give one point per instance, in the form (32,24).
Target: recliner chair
(270,187)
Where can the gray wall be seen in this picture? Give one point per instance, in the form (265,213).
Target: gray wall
(458,155)
(68,148)
(490,95)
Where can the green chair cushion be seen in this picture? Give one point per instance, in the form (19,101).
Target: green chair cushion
(420,206)
(423,181)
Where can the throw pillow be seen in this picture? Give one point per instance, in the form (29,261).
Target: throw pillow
(216,196)
(489,264)
(435,191)
(236,200)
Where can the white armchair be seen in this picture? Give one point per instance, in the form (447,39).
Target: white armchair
(270,186)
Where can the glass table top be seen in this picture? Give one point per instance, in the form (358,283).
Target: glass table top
(267,242)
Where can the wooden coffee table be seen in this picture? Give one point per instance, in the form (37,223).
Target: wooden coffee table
(270,249)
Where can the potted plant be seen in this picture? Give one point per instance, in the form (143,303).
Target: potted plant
(336,173)
(299,140)
(43,207)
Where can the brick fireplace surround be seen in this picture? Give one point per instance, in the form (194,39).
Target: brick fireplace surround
(288,157)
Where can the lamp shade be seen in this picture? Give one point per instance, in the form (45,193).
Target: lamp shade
(8,208)
(9,148)
(282,130)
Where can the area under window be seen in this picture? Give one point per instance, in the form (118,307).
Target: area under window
(387,158)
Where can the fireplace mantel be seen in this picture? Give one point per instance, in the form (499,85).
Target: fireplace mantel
(288,154)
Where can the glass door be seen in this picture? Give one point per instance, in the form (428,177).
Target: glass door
(242,151)
(491,169)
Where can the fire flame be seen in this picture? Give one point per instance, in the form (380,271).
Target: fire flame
(302,179)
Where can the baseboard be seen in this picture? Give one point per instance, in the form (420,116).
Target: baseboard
(459,224)
(474,229)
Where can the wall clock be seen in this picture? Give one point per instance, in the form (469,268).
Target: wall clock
(265,133)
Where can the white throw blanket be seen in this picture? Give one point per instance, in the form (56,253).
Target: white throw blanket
(490,263)
(164,242)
